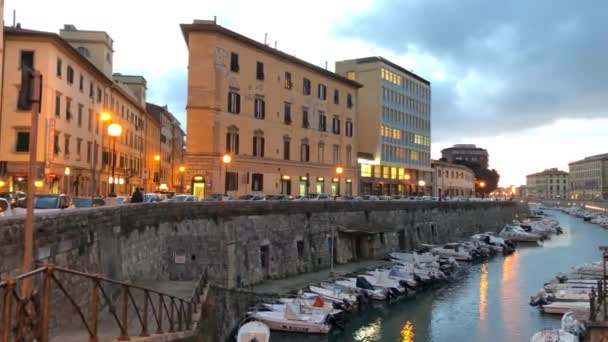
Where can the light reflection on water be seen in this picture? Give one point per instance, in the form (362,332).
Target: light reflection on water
(488,302)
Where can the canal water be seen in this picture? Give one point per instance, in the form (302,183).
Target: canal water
(488,302)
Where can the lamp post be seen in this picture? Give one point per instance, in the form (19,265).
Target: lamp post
(103,118)
(226,159)
(157,159)
(482,185)
(422,183)
(66,172)
(114,131)
(181,170)
(339,171)
(407,177)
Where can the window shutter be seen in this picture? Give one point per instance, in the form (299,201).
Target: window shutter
(263,109)
(238,103)
(230,109)
(262,141)
(236,144)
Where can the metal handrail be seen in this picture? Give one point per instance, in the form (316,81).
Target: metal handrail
(179,311)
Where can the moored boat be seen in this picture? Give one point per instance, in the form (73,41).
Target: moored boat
(253,331)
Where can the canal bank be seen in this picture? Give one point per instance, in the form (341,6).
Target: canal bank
(488,303)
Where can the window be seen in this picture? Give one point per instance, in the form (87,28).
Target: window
(336,154)
(80,107)
(89,144)
(304,151)
(90,120)
(322,122)
(305,121)
(259,108)
(322,92)
(70,77)
(56,148)
(66,145)
(57,104)
(81,83)
(366,170)
(349,101)
(257,182)
(336,96)
(258,143)
(286,148)
(234,62)
(27,59)
(68,109)
(349,128)
(78,146)
(321,153)
(349,155)
(259,71)
(287,117)
(23,142)
(231,181)
(306,87)
(335,125)
(98,95)
(59,67)
(234,102)
(91,90)
(232,140)
(288,83)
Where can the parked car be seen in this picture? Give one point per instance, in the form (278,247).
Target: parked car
(12,196)
(370,198)
(4,205)
(154,197)
(278,197)
(384,198)
(118,200)
(252,197)
(88,202)
(183,198)
(217,198)
(313,196)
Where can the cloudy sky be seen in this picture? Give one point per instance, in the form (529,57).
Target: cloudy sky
(528,80)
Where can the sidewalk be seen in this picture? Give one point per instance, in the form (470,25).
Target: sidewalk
(283,286)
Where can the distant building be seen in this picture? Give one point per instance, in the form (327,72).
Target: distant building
(466,152)
(548,184)
(589,178)
(395,115)
(452,180)
(288,126)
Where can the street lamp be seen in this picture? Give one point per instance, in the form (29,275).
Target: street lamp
(422,183)
(226,159)
(66,172)
(482,185)
(407,177)
(339,171)
(157,159)
(114,131)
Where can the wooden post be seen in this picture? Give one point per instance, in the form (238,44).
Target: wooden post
(144,326)
(28,241)
(6,311)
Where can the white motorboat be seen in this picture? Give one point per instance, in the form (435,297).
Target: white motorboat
(253,331)
(305,307)
(402,279)
(554,335)
(376,293)
(294,320)
(334,294)
(593,268)
(413,257)
(381,279)
(517,234)
(561,308)
(452,250)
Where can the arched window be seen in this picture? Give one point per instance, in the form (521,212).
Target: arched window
(232,140)
(321,152)
(349,155)
(258,143)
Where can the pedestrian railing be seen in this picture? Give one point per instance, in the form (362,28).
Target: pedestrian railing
(597,303)
(27,318)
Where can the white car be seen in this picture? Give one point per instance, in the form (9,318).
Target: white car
(183,198)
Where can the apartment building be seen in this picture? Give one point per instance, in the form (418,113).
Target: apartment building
(467,153)
(395,108)
(548,184)
(74,151)
(263,121)
(452,180)
(589,178)
(170,166)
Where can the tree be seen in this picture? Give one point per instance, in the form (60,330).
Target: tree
(490,178)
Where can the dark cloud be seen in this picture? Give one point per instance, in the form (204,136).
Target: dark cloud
(532,62)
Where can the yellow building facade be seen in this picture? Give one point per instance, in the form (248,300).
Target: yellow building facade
(288,126)
(452,180)
(588,178)
(74,152)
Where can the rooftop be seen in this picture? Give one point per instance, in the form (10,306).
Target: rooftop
(211,26)
(447,164)
(374,59)
(596,157)
(464,147)
(551,171)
